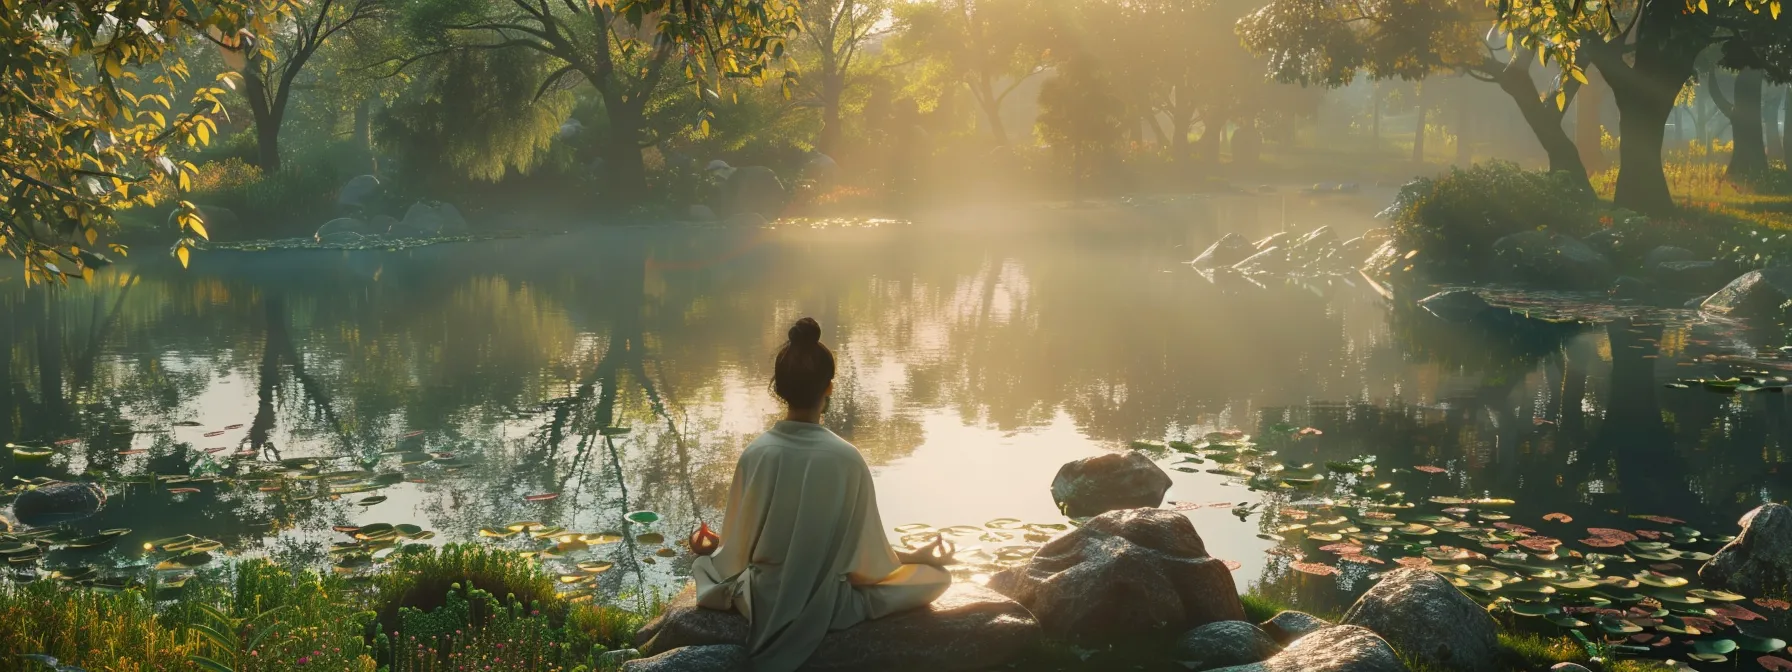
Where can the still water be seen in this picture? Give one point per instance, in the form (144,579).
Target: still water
(980,350)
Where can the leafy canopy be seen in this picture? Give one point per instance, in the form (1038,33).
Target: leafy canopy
(88,115)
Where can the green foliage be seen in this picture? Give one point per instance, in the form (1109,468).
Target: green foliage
(422,580)
(475,117)
(1453,220)
(90,629)
(1082,119)
(1258,608)
(89,112)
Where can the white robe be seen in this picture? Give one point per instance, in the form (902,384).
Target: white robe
(803,549)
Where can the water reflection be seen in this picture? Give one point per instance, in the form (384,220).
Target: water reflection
(980,350)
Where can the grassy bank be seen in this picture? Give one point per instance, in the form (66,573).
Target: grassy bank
(458,608)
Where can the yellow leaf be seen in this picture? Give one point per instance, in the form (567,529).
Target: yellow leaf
(199,228)
(181,254)
(186,181)
(1561,99)
(1578,75)
(93,236)
(1704,7)
(112,65)
(86,274)
(205,134)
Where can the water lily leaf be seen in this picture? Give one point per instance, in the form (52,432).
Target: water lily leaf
(1758,644)
(596,566)
(370,501)
(524,526)
(187,561)
(543,497)
(1715,595)
(643,517)
(1714,646)
(496,533)
(574,578)
(601,538)
(651,538)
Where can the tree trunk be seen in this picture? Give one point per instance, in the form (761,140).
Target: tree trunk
(832,89)
(1179,129)
(1589,104)
(1748,159)
(1375,124)
(1465,147)
(1418,134)
(624,170)
(1770,127)
(1545,123)
(985,93)
(1209,143)
(267,122)
(1642,121)
(364,125)
(1786,128)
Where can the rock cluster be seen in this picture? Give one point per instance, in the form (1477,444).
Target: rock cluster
(968,628)
(1123,573)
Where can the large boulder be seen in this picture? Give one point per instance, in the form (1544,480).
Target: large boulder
(1097,485)
(708,658)
(1426,619)
(968,628)
(58,503)
(360,194)
(1695,277)
(753,189)
(1456,305)
(1228,250)
(1666,253)
(1268,260)
(1223,644)
(1340,648)
(1287,626)
(1124,573)
(1759,560)
(341,225)
(821,169)
(1552,259)
(1762,293)
(431,218)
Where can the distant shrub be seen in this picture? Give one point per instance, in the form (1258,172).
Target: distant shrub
(1454,220)
(422,581)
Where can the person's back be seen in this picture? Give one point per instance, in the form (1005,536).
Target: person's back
(803,549)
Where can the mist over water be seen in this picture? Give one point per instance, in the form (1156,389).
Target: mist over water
(981,349)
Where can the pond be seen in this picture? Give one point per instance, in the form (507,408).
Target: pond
(570,380)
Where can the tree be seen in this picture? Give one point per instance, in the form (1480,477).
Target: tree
(1329,43)
(630,51)
(271,68)
(991,47)
(838,31)
(84,134)
(1646,50)
(476,115)
(1081,117)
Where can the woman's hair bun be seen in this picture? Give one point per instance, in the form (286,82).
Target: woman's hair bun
(806,331)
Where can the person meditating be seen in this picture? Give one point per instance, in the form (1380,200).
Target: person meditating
(802,547)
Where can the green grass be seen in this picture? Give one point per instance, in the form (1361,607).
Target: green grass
(256,616)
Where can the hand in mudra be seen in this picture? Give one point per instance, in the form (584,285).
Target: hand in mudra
(939,554)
